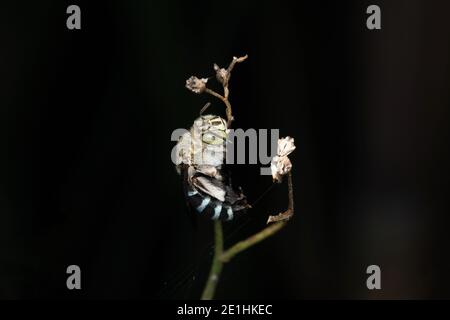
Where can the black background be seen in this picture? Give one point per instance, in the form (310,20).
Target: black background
(85,124)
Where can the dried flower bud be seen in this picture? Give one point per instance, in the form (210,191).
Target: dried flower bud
(196,85)
(280,164)
(222,75)
(285,146)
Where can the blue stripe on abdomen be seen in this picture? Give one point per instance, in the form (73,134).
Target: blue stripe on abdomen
(209,206)
(229,213)
(203,205)
(192,193)
(217,211)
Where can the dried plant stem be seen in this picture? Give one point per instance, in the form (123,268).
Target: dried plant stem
(221,256)
(286,215)
(227,104)
(223,76)
(217,264)
(234,61)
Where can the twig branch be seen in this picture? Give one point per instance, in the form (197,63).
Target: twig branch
(251,241)
(234,61)
(228,73)
(223,76)
(198,85)
(227,104)
(284,216)
(280,221)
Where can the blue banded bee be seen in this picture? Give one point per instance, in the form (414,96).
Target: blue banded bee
(200,160)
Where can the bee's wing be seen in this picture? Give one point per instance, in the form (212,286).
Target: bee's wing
(211,186)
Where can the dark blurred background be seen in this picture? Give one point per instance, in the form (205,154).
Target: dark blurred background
(86,118)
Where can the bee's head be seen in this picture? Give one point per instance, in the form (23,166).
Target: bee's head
(213,129)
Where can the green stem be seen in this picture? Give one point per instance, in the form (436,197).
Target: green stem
(217,264)
(258,237)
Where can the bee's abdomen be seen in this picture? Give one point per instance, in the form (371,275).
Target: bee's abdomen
(206,205)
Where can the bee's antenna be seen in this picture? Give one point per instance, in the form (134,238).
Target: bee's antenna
(205,107)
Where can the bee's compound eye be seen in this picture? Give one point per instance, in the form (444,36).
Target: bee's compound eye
(218,123)
(212,138)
